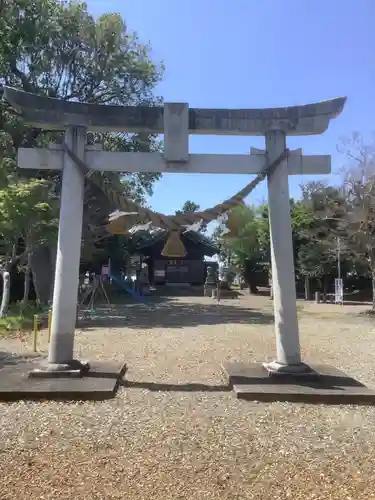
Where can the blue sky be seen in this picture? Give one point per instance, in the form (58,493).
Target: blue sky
(256,53)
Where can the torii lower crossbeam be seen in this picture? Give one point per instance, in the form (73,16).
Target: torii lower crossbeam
(253,163)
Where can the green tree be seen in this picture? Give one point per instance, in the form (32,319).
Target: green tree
(248,243)
(325,208)
(28,219)
(188,207)
(356,226)
(59,49)
(246,246)
(305,248)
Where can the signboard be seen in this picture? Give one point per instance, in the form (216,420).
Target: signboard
(339,291)
(105,272)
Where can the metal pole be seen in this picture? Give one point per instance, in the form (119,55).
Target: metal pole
(339,269)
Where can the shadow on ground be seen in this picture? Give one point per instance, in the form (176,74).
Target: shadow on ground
(159,387)
(172,314)
(10,359)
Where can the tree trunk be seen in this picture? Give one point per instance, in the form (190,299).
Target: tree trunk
(53,255)
(6,293)
(373,287)
(26,284)
(307,288)
(42,268)
(253,289)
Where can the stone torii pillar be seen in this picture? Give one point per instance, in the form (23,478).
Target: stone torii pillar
(288,352)
(176,121)
(65,292)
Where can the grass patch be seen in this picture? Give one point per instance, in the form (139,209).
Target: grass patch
(20,318)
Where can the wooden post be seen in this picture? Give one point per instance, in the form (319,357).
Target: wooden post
(35,333)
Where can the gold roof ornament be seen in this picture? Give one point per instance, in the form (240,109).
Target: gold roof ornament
(174,246)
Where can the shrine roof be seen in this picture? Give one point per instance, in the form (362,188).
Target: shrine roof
(145,239)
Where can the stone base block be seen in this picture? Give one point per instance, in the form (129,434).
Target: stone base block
(21,378)
(207,290)
(229,294)
(48,370)
(328,385)
(276,369)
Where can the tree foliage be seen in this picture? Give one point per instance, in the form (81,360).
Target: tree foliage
(188,207)
(29,212)
(246,246)
(331,225)
(29,218)
(58,49)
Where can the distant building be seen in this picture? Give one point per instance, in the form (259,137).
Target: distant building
(189,269)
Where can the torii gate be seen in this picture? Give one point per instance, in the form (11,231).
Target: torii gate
(176,121)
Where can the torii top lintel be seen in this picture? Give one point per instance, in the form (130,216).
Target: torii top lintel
(50,113)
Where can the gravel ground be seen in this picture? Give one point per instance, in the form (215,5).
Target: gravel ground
(166,438)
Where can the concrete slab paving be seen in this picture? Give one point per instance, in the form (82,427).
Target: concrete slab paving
(99,383)
(327,385)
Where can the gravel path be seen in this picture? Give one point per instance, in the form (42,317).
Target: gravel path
(166,438)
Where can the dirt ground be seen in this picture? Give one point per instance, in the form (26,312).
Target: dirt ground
(175,431)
